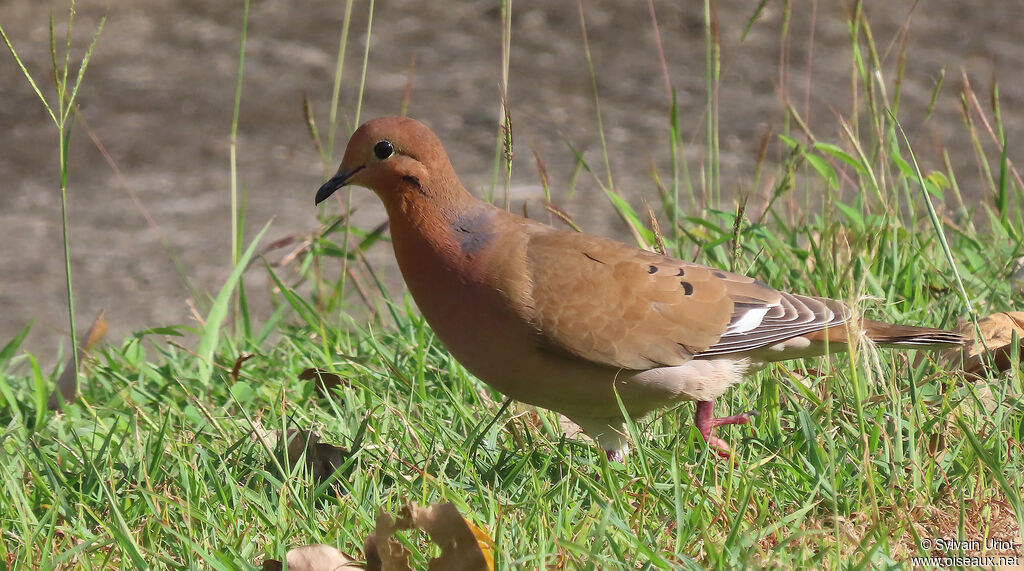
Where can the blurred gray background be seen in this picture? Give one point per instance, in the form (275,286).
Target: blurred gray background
(158,95)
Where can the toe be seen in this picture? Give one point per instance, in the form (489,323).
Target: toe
(719,446)
(744,418)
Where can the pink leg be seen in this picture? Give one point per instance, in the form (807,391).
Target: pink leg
(706,422)
(615,456)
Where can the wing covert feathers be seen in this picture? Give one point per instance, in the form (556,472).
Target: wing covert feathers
(624,307)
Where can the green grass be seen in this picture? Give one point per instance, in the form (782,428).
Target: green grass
(854,459)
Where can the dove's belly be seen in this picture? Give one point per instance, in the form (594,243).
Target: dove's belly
(502,348)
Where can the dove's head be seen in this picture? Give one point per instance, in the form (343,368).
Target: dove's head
(396,157)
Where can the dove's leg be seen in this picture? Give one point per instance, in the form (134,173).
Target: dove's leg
(705,421)
(616,455)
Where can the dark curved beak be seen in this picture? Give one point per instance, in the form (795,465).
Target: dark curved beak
(337,181)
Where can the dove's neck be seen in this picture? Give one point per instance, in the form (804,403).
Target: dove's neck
(436,229)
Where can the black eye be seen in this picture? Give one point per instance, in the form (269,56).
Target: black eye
(383,149)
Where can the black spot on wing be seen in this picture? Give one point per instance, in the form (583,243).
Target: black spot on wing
(592,258)
(687,288)
(652,269)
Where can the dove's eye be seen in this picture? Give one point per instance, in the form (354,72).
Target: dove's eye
(383,149)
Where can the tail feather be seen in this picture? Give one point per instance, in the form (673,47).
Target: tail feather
(893,335)
(890,334)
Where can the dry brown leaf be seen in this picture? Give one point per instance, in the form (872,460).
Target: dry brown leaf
(315,557)
(236,369)
(389,555)
(67,384)
(998,330)
(570,429)
(464,546)
(324,380)
(322,459)
(1017,273)
(373,562)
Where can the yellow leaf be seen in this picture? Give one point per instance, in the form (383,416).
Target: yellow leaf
(464,546)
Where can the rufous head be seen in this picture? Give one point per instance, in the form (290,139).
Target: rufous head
(393,156)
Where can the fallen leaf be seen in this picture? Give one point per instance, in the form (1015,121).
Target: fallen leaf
(1017,273)
(998,331)
(322,459)
(373,562)
(464,546)
(324,381)
(67,384)
(237,367)
(389,555)
(315,557)
(570,429)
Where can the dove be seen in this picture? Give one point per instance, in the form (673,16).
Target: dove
(577,323)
